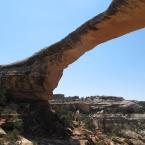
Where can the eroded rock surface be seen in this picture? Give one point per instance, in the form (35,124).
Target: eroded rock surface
(110,120)
(38,123)
(36,77)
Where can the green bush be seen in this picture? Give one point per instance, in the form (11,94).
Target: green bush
(3,97)
(18,124)
(88,122)
(66,117)
(13,135)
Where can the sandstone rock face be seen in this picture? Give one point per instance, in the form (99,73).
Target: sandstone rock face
(36,77)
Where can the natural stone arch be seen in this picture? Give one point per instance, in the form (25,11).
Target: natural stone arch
(36,77)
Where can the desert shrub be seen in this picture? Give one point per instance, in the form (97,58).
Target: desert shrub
(87,121)
(13,135)
(3,97)
(34,142)
(114,135)
(2,141)
(66,116)
(18,124)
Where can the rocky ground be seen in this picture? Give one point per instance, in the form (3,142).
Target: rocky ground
(38,123)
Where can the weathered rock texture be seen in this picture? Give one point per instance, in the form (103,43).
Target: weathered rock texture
(37,77)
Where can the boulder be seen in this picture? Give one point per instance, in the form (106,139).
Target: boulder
(23,141)
(2,132)
(84,107)
(130,134)
(135,142)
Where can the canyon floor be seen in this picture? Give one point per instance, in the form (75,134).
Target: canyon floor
(95,120)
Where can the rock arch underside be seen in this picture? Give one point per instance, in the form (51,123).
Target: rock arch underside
(36,77)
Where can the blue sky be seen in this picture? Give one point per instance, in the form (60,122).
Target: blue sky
(112,68)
